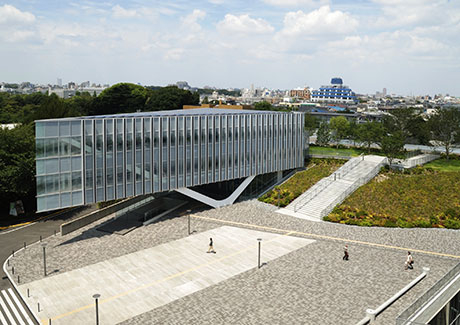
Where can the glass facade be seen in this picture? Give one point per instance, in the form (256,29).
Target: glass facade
(142,153)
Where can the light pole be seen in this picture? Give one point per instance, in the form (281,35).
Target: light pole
(258,259)
(188,212)
(96,297)
(44,258)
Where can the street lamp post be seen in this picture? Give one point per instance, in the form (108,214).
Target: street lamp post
(96,297)
(258,259)
(188,212)
(44,258)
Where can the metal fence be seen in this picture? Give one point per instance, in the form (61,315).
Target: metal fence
(403,318)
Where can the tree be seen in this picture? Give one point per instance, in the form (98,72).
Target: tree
(352,132)
(170,98)
(370,133)
(445,128)
(311,123)
(120,98)
(392,145)
(205,100)
(17,166)
(323,135)
(263,106)
(339,126)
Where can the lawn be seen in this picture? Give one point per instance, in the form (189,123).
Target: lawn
(330,151)
(301,181)
(423,197)
(451,165)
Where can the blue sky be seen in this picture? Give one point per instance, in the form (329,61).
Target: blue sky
(407,46)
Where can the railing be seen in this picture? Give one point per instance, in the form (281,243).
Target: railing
(403,318)
(411,162)
(313,192)
(325,182)
(134,206)
(353,187)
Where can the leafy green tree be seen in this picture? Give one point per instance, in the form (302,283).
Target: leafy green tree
(120,98)
(323,135)
(311,123)
(170,98)
(352,132)
(17,166)
(263,106)
(445,128)
(339,126)
(52,107)
(205,100)
(370,133)
(392,145)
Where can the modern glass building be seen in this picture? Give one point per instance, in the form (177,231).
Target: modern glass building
(91,159)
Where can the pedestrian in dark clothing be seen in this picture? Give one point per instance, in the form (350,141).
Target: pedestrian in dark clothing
(345,253)
(211,247)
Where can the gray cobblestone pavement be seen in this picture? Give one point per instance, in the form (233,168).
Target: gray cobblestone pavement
(309,286)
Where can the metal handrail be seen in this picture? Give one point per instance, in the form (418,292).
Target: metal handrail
(325,182)
(353,187)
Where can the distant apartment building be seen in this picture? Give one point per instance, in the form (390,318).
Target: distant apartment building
(67,93)
(303,93)
(336,92)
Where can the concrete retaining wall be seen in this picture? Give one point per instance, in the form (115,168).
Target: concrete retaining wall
(73,225)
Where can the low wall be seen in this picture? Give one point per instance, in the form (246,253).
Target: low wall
(330,157)
(78,223)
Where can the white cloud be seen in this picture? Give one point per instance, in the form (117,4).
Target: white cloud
(296,3)
(318,22)
(216,2)
(244,24)
(191,21)
(12,15)
(120,12)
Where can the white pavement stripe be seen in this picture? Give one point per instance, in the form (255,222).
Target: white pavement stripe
(2,318)
(21,308)
(6,310)
(13,308)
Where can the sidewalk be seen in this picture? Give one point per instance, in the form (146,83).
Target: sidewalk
(139,282)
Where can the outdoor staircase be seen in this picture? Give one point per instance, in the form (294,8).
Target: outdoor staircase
(330,191)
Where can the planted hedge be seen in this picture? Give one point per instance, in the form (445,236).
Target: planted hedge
(301,181)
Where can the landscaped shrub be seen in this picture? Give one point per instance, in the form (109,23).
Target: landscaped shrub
(417,198)
(301,181)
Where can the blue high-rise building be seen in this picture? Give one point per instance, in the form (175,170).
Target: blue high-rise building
(336,92)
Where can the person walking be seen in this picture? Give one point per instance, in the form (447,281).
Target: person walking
(211,247)
(409,262)
(345,253)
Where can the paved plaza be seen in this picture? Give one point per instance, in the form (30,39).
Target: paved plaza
(307,284)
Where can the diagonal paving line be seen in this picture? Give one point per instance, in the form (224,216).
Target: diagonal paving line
(249,225)
(151,284)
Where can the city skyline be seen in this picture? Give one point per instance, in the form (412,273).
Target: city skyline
(409,47)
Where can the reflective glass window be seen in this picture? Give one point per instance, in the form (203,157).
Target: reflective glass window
(40,167)
(65,164)
(76,181)
(51,129)
(64,144)
(39,129)
(64,129)
(76,128)
(76,145)
(76,163)
(51,147)
(65,182)
(51,166)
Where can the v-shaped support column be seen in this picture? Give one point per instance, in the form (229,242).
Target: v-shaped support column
(217,203)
